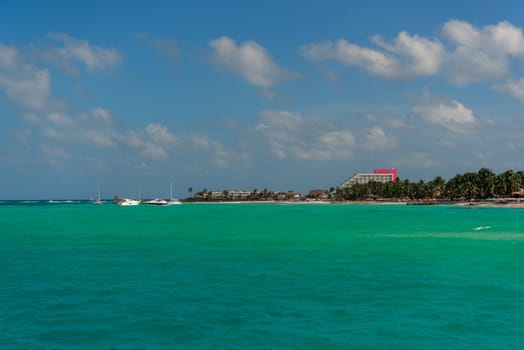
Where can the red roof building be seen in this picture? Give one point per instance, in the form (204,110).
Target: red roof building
(393,172)
(378,175)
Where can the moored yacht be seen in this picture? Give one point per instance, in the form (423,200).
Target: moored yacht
(156,201)
(128,202)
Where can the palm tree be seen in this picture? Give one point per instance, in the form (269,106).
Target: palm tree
(454,187)
(486,182)
(190,190)
(470,185)
(503,183)
(515,182)
(420,190)
(436,187)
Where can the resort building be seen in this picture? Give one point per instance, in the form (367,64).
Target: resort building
(378,175)
(238,195)
(229,194)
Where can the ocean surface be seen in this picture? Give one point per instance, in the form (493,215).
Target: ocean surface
(267,276)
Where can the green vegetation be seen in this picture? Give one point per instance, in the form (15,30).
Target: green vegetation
(484,184)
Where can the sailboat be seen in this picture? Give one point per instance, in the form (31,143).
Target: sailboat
(172,201)
(98,200)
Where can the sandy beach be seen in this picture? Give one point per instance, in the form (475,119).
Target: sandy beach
(491,204)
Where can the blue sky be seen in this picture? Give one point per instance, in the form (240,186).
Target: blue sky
(239,95)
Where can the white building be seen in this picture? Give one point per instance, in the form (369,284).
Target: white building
(379,175)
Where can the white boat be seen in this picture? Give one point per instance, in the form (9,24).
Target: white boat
(98,200)
(129,202)
(172,201)
(156,201)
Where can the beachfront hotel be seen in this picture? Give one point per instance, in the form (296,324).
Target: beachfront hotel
(378,175)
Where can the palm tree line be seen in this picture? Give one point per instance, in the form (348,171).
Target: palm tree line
(484,184)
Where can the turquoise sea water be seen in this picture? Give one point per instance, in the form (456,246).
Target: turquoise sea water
(226,276)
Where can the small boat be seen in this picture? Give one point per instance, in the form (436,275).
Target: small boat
(156,201)
(98,200)
(172,201)
(129,202)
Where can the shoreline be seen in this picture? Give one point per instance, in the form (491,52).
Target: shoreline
(510,204)
(500,203)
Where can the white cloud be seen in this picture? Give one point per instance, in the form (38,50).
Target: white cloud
(99,138)
(100,115)
(373,61)
(131,139)
(397,123)
(418,55)
(222,157)
(512,87)
(290,135)
(50,132)
(336,144)
(8,57)
(95,128)
(449,114)
(30,118)
(93,57)
(160,134)
(482,53)
(156,141)
(475,53)
(153,151)
(61,120)
(28,87)
(407,56)
(376,139)
(198,141)
(415,160)
(283,119)
(503,37)
(23,84)
(250,60)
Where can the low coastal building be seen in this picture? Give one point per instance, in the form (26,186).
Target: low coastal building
(286,196)
(239,195)
(229,195)
(243,195)
(318,194)
(378,175)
